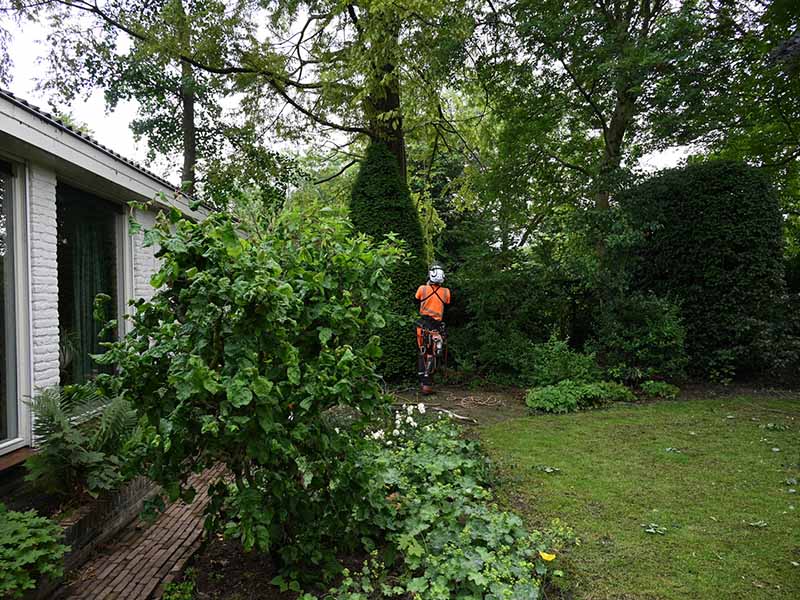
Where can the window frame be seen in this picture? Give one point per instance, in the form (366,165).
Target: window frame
(21,309)
(123,250)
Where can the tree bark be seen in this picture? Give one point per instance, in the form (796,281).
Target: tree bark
(187,97)
(383,107)
(386,101)
(614,137)
(189,128)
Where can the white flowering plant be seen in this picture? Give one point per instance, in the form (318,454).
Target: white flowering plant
(438,516)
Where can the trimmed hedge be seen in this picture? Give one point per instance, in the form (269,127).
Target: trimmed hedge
(381,204)
(711,240)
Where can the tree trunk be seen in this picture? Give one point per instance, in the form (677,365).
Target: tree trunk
(612,152)
(188,127)
(385,118)
(382,108)
(188,96)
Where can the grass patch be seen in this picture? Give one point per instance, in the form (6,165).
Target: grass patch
(671,500)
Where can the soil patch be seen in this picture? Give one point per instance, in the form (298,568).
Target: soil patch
(486,406)
(222,569)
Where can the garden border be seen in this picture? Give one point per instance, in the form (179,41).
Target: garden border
(92,525)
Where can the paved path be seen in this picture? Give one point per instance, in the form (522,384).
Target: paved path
(143,558)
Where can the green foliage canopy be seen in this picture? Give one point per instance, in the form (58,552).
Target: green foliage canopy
(712,241)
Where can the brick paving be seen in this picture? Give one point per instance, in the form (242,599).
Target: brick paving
(145,557)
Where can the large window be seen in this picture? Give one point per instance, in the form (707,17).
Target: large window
(8,394)
(87,267)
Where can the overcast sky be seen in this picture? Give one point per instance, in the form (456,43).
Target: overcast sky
(112,128)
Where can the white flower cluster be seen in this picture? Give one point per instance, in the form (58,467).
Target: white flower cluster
(403,422)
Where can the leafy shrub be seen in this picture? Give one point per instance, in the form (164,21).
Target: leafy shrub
(660,389)
(81,437)
(438,517)
(638,337)
(184,590)
(506,302)
(554,361)
(245,345)
(381,204)
(712,240)
(570,396)
(30,548)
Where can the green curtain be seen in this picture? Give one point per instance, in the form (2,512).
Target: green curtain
(87,267)
(89,278)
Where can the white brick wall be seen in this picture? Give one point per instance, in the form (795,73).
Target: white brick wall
(44,274)
(144,261)
(44,278)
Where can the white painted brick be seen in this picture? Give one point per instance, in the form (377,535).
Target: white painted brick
(145,262)
(44,280)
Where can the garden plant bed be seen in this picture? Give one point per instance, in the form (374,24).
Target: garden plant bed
(222,569)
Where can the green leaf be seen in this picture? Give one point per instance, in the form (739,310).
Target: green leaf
(233,245)
(239,395)
(262,387)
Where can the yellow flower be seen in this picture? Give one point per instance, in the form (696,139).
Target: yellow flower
(546,556)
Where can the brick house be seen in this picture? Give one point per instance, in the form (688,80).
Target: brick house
(63,239)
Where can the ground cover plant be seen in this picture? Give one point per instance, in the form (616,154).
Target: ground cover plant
(439,534)
(693,498)
(569,396)
(30,548)
(659,389)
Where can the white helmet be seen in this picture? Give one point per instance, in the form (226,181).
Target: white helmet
(436,274)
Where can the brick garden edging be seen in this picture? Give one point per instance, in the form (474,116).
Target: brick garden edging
(96,523)
(145,557)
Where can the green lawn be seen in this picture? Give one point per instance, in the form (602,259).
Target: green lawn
(617,474)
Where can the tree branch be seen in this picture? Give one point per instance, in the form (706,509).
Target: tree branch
(277,82)
(335,175)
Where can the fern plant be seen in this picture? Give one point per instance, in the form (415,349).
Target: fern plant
(81,437)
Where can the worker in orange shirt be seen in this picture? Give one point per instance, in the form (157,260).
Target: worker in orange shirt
(432,298)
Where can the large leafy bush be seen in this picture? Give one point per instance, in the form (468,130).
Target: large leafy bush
(712,240)
(30,548)
(509,300)
(381,204)
(639,336)
(235,359)
(554,361)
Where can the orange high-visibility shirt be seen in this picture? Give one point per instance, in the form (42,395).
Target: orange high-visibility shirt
(432,300)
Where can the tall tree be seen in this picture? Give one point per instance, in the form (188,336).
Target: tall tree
(341,66)
(587,82)
(101,48)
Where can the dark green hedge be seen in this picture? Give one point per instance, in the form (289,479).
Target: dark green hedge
(380,204)
(711,240)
